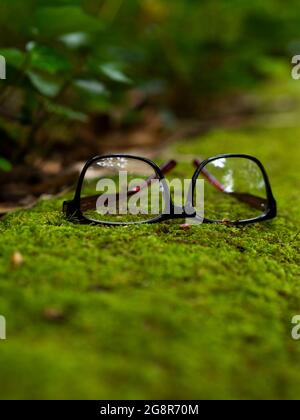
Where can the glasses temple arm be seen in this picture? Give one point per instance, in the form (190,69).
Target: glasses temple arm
(168,166)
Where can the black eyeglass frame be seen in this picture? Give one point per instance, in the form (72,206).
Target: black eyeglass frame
(72,208)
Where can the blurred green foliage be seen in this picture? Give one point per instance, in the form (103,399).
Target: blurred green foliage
(69,59)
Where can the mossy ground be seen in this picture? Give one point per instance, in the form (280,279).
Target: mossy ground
(156,311)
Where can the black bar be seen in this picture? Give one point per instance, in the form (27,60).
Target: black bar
(130,409)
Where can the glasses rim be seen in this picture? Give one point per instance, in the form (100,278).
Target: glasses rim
(157,171)
(72,208)
(263,204)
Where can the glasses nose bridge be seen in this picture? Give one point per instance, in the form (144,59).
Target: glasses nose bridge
(180,212)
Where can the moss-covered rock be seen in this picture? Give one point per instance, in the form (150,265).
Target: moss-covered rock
(157,311)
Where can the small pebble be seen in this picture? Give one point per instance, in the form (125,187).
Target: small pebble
(186,226)
(17,259)
(52,314)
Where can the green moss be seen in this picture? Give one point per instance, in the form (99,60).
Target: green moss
(157,311)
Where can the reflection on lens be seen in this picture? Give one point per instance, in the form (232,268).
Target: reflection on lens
(235,190)
(121,190)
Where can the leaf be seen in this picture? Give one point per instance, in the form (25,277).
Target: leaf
(46,59)
(44,85)
(5,165)
(13,57)
(66,112)
(75,40)
(60,3)
(56,21)
(91,86)
(112,71)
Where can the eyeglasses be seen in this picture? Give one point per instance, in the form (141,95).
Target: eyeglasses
(123,189)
